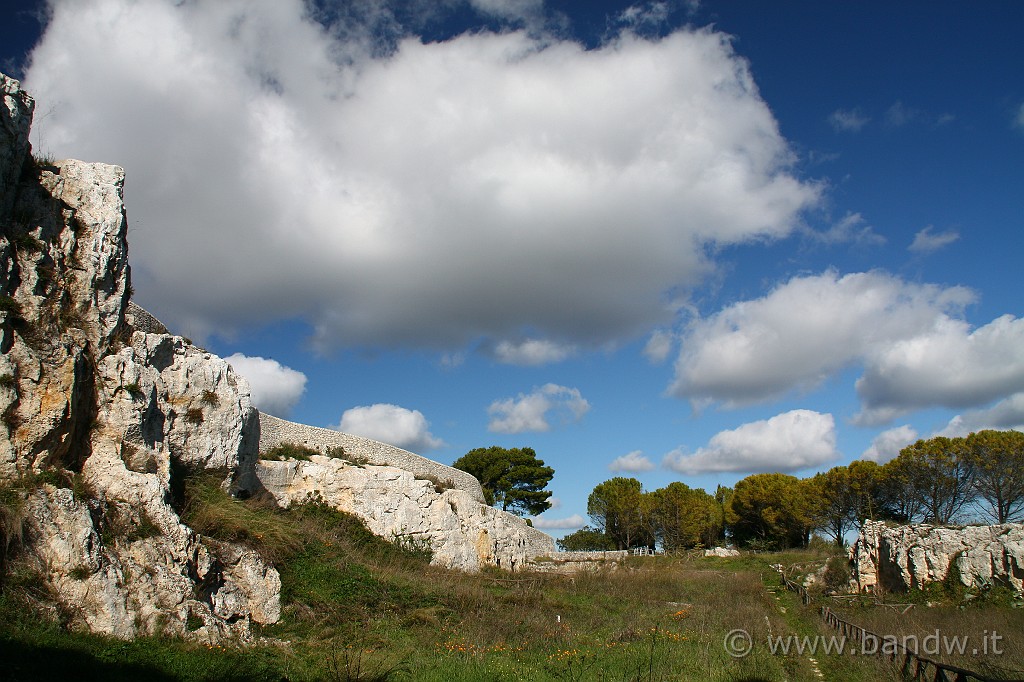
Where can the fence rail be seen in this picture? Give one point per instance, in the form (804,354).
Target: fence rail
(912,665)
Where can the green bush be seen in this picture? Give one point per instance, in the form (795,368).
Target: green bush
(289,451)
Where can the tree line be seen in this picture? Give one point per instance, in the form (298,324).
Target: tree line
(939,480)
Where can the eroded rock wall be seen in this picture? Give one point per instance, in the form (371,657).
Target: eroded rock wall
(98,417)
(462,532)
(898,558)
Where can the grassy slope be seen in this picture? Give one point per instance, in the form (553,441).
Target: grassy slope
(359,608)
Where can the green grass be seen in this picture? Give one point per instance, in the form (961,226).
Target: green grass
(355,607)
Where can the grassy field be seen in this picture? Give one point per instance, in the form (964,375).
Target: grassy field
(358,608)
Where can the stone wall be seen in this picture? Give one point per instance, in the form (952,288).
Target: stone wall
(275,431)
(899,558)
(577,562)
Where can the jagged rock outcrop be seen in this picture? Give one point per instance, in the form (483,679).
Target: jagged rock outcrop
(95,413)
(461,531)
(898,558)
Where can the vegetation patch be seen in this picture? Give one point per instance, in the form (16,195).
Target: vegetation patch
(289,451)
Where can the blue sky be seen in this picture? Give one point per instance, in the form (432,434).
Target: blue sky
(677,241)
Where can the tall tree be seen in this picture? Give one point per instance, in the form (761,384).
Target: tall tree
(937,477)
(770,510)
(513,479)
(684,517)
(998,460)
(834,499)
(620,508)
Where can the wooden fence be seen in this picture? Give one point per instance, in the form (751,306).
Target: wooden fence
(912,665)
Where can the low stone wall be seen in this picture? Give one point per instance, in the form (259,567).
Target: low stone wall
(576,562)
(275,431)
(140,320)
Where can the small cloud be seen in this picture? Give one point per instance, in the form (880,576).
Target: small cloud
(649,15)
(899,115)
(926,241)
(888,444)
(532,352)
(273,388)
(574,521)
(848,120)
(1018,120)
(510,10)
(634,462)
(851,229)
(391,424)
(658,347)
(531,412)
(787,442)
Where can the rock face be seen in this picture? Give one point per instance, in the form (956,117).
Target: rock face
(899,558)
(95,413)
(461,531)
(104,412)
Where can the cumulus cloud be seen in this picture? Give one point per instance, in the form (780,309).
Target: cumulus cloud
(848,120)
(412,194)
(532,352)
(946,364)
(634,462)
(926,240)
(787,442)
(1005,414)
(534,411)
(392,424)
(804,331)
(1018,120)
(574,521)
(274,388)
(888,444)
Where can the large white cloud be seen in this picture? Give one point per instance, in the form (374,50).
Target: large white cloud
(391,424)
(534,411)
(948,364)
(914,346)
(274,388)
(475,188)
(790,441)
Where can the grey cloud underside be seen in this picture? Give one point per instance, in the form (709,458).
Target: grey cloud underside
(491,186)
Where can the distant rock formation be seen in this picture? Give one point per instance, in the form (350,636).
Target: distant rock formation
(899,558)
(103,410)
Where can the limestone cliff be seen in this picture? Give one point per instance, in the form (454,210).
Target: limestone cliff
(898,558)
(103,411)
(95,413)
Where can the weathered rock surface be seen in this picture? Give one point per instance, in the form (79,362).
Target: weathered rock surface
(461,531)
(104,410)
(721,552)
(898,558)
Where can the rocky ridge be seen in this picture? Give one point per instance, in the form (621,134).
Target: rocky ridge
(103,412)
(898,558)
